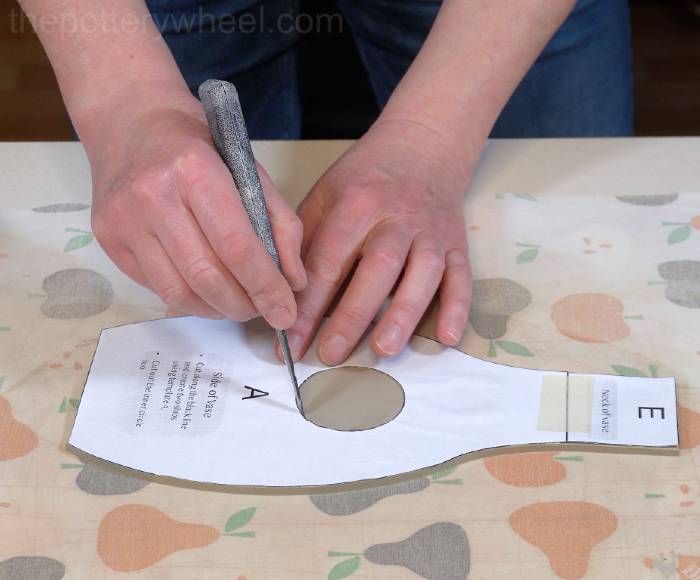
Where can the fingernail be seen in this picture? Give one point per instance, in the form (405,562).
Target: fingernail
(280,317)
(334,349)
(455,325)
(295,344)
(389,339)
(278,350)
(454,333)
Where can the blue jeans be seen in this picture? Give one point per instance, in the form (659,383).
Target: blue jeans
(580,86)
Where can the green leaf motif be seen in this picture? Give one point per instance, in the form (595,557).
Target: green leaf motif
(66,402)
(242,534)
(443,473)
(450,481)
(5,329)
(239,519)
(492,350)
(525,196)
(527,256)
(77,242)
(513,348)
(344,569)
(679,234)
(628,371)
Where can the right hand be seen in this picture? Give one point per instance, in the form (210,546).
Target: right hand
(166,211)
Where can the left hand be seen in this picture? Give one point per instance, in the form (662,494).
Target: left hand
(392,204)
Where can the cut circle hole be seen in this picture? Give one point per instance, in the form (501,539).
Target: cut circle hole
(351,398)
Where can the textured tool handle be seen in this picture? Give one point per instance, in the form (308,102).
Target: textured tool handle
(229,133)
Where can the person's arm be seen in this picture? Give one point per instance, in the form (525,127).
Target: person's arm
(165,207)
(100,54)
(394,200)
(476,54)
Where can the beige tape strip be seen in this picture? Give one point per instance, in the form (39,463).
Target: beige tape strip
(580,403)
(552,415)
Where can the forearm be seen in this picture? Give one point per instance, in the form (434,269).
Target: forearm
(99,53)
(471,62)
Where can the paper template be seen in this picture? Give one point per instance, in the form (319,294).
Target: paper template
(208,401)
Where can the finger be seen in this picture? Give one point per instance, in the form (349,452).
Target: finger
(383,258)
(424,270)
(331,256)
(123,257)
(222,218)
(126,261)
(288,232)
(201,269)
(310,213)
(455,298)
(128,264)
(153,253)
(173,313)
(164,279)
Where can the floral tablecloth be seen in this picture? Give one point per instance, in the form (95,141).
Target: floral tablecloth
(586,257)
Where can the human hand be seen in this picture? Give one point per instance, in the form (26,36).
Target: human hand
(166,211)
(393,204)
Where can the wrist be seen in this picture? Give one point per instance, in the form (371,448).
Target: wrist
(452,161)
(109,66)
(121,113)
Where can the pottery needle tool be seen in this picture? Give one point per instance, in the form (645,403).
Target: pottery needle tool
(230,135)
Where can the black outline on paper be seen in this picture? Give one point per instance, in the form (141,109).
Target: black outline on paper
(382,480)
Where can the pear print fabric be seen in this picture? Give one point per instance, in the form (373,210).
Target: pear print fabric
(586,257)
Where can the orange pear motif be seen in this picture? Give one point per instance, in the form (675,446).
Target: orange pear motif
(16,439)
(526,469)
(133,537)
(590,318)
(566,531)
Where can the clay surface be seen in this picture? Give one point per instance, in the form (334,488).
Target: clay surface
(351,398)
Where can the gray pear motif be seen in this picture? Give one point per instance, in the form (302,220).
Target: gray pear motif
(437,552)
(650,200)
(350,502)
(31,568)
(76,293)
(494,301)
(61,207)
(667,565)
(683,282)
(98,481)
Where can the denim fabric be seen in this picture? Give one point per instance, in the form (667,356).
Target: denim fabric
(581,85)
(239,41)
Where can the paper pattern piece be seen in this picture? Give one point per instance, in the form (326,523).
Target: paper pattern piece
(207,401)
